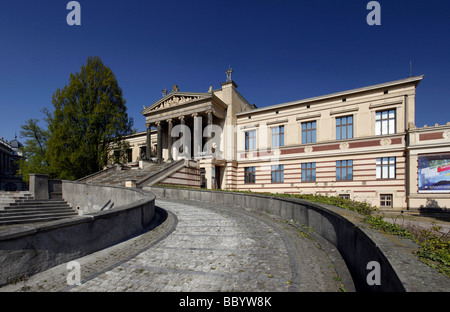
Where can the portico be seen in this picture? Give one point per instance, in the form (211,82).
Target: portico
(197,126)
(194,113)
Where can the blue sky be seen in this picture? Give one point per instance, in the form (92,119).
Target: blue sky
(280,51)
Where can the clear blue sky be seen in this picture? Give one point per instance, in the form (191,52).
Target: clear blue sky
(280,51)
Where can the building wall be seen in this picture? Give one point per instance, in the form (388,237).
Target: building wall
(425,142)
(366,148)
(363,148)
(189,177)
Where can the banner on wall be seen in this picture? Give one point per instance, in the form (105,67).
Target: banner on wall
(434,173)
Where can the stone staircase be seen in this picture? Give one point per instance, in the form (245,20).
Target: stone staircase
(118,175)
(22,208)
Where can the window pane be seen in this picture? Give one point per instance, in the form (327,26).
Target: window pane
(384,127)
(391,126)
(338,173)
(378,116)
(378,172)
(350,132)
(392,171)
(378,128)
(350,173)
(385,172)
(313,140)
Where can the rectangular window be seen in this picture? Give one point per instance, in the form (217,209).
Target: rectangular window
(309,132)
(277,173)
(129,155)
(249,173)
(386,200)
(250,140)
(385,122)
(278,136)
(308,172)
(344,128)
(386,168)
(344,170)
(344,196)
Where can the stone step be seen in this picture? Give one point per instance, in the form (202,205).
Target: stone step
(27,214)
(28,203)
(29,210)
(36,209)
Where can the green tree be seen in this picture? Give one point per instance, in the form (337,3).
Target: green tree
(88,122)
(33,150)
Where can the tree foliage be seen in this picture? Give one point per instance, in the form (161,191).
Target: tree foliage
(88,121)
(33,150)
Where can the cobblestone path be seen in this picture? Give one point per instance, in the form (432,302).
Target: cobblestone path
(200,247)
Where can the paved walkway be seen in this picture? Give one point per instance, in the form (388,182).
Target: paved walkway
(199,247)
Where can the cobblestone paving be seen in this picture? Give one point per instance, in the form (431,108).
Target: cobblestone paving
(200,247)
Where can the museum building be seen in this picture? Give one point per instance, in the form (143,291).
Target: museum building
(359,144)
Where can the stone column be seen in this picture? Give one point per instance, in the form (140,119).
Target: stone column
(210,122)
(159,142)
(8,164)
(184,140)
(169,139)
(209,132)
(148,150)
(198,135)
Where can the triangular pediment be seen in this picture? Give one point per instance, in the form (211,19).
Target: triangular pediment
(174,99)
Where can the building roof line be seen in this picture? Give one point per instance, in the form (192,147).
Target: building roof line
(415,79)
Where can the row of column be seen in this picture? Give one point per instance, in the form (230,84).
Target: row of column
(169,131)
(5,163)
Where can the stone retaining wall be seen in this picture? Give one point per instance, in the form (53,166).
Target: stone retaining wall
(29,249)
(399,270)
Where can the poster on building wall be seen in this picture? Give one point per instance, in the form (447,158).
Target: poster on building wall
(434,173)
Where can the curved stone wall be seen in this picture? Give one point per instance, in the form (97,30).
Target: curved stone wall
(28,249)
(360,246)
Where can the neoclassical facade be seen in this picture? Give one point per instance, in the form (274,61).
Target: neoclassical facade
(360,144)
(9,155)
